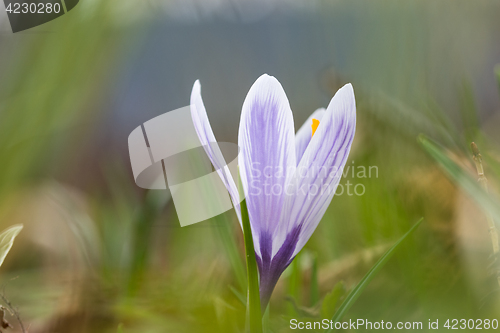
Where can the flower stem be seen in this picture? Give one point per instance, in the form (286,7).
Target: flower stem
(254,318)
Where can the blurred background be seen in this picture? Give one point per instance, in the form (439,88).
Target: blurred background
(99,254)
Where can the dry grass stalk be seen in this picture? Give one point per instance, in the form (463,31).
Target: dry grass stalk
(491,224)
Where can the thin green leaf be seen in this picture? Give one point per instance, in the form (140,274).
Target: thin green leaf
(225,232)
(462,178)
(356,292)
(7,240)
(143,231)
(253,296)
(266,321)
(238,295)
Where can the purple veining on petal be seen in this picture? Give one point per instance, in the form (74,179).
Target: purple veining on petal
(270,269)
(328,150)
(265,252)
(282,223)
(267,155)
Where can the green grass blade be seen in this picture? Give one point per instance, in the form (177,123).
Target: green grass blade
(356,292)
(225,233)
(253,296)
(7,240)
(143,231)
(462,178)
(238,295)
(266,321)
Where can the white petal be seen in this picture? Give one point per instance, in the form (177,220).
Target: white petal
(207,139)
(318,173)
(267,154)
(304,134)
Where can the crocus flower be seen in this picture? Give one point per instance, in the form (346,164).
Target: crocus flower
(288,179)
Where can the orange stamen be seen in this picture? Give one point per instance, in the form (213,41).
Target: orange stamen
(314,126)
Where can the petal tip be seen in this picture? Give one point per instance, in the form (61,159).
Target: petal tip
(348,87)
(267,79)
(346,93)
(267,85)
(196,101)
(343,104)
(196,86)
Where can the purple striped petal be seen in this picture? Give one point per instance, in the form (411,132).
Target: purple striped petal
(304,134)
(317,176)
(267,157)
(270,270)
(321,166)
(207,139)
